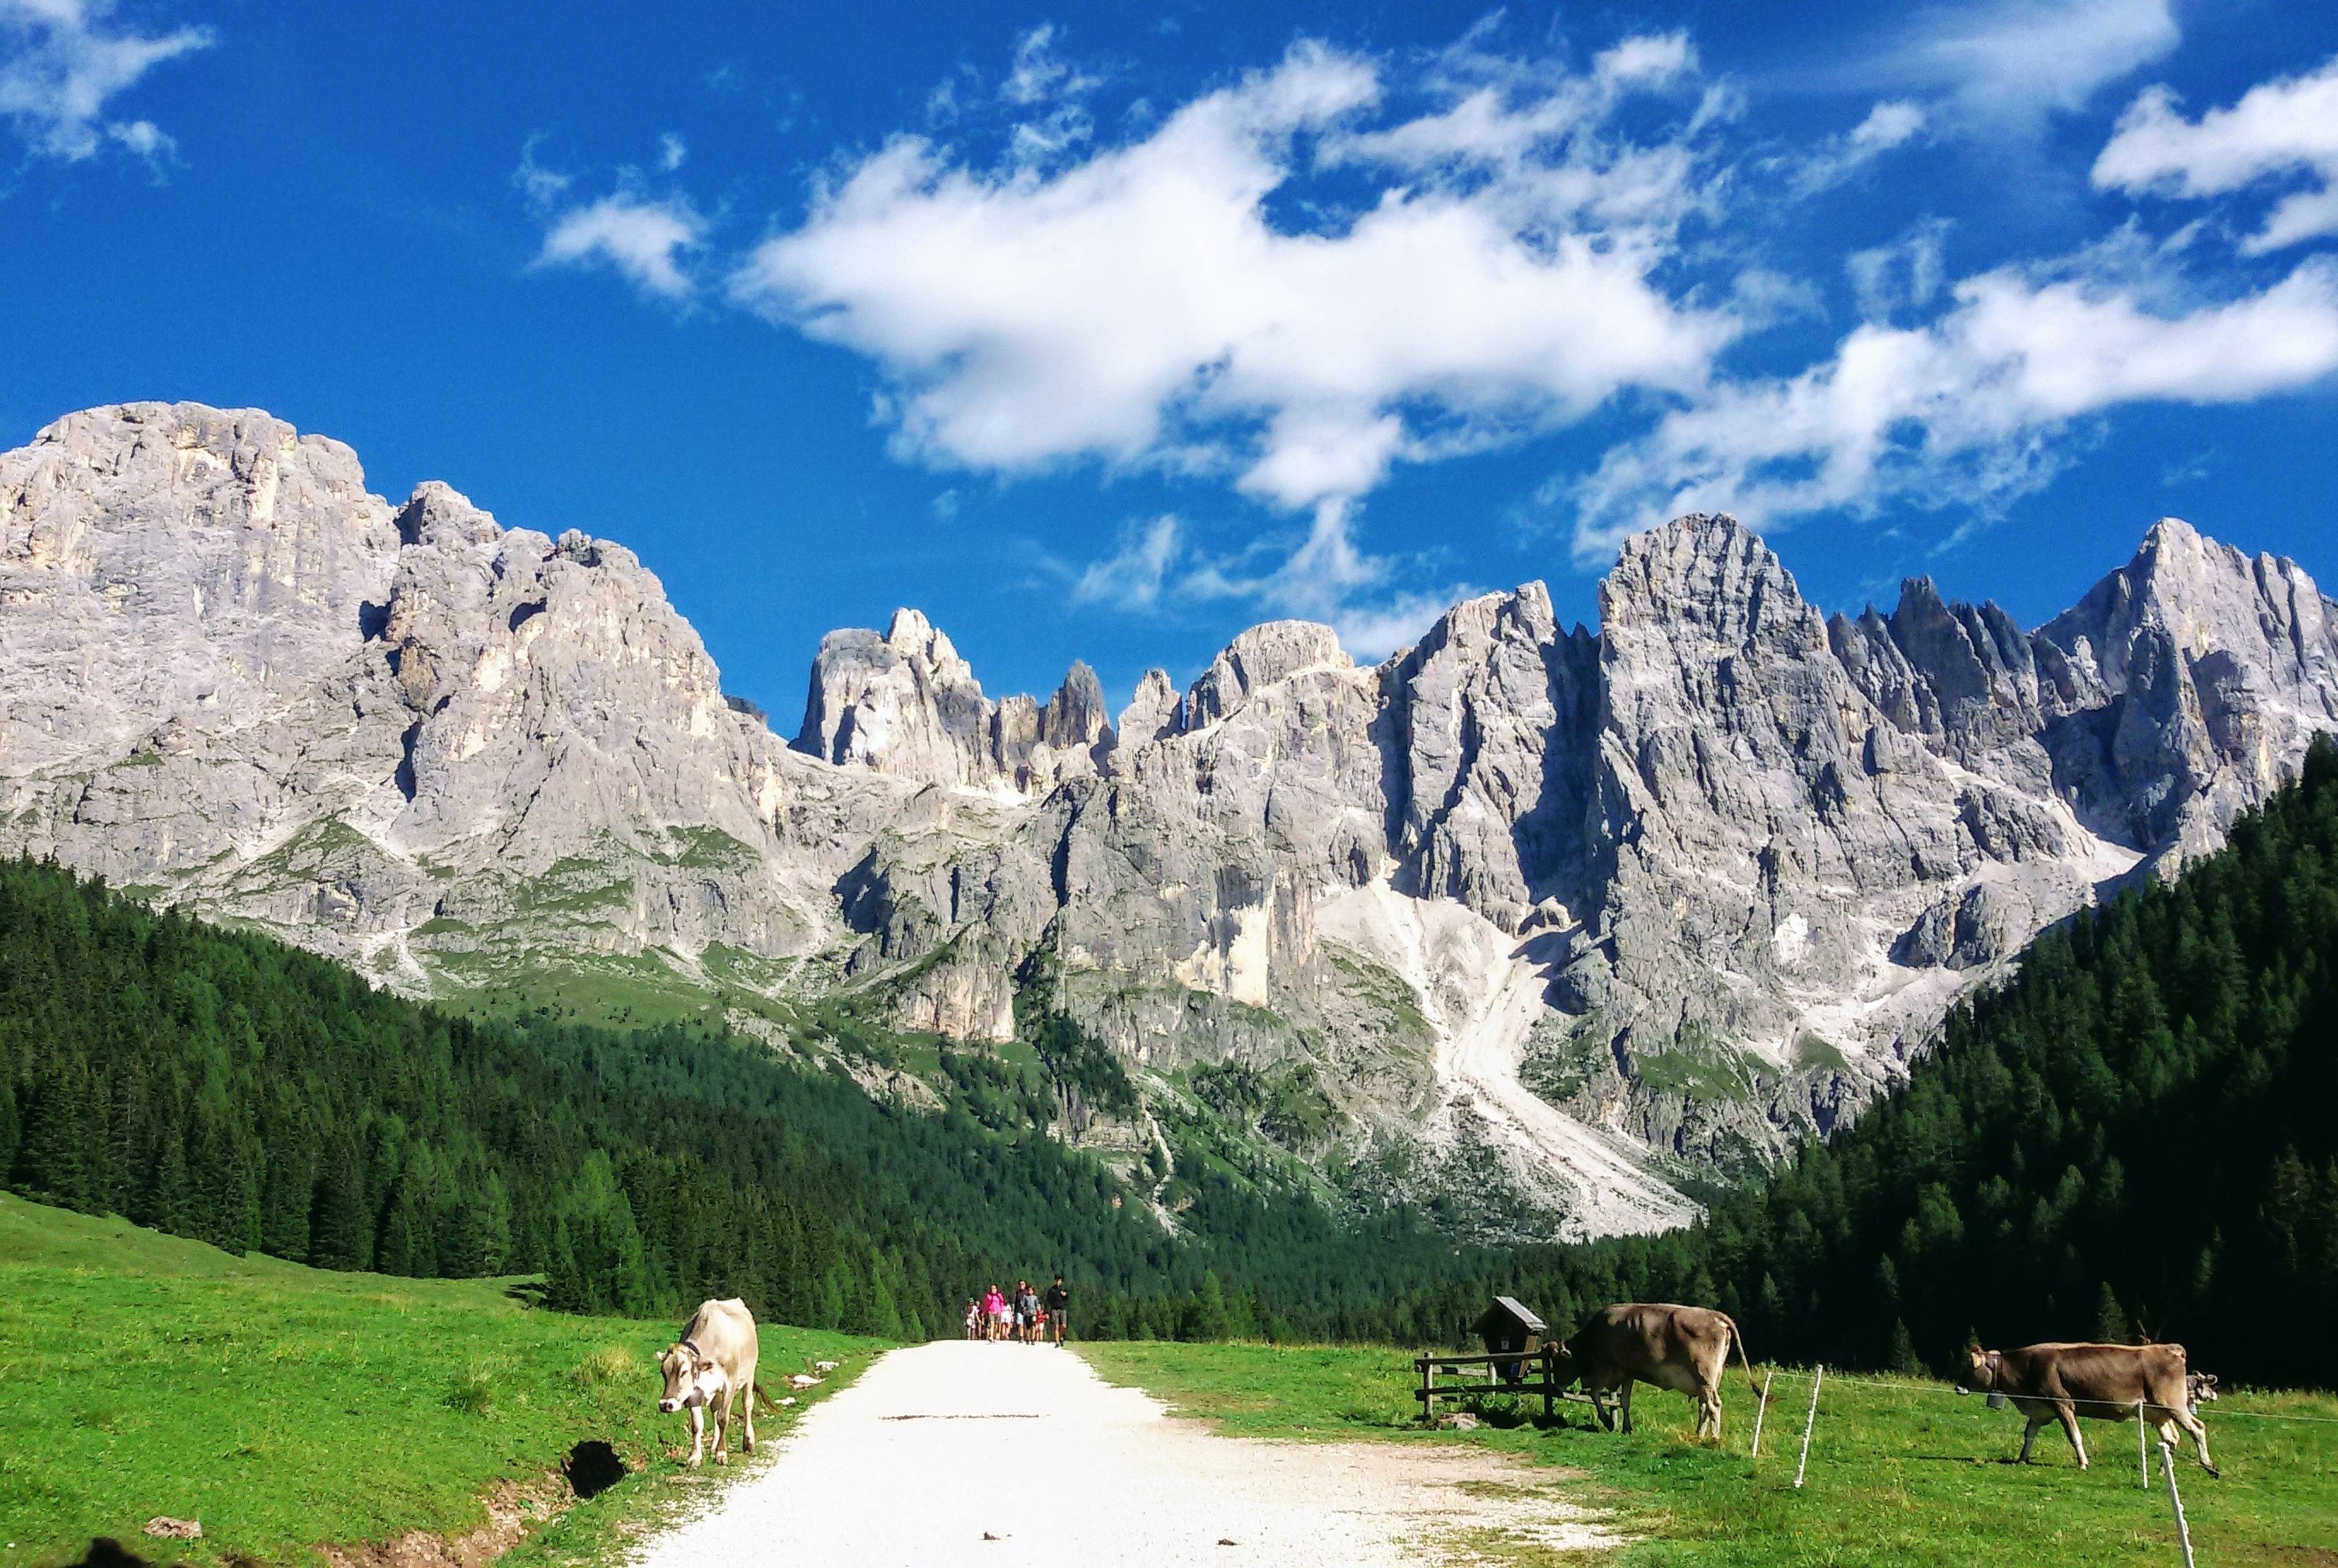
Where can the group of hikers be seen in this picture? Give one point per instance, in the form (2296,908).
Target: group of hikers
(1027,1315)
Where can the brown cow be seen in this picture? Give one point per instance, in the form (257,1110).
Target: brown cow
(2101,1382)
(1683,1349)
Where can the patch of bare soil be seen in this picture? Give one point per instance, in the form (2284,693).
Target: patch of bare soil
(513,1507)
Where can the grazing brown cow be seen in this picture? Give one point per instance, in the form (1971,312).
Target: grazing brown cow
(2101,1382)
(710,1367)
(1683,1349)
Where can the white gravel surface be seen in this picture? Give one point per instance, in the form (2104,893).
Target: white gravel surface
(957,1452)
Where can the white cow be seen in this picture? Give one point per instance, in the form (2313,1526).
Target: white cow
(711,1367)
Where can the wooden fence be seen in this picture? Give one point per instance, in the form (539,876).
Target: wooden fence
(1513,1372)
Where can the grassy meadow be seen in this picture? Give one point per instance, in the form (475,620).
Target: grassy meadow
(1898,1474)
(285,1407)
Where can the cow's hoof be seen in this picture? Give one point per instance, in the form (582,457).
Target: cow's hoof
(2212,1470)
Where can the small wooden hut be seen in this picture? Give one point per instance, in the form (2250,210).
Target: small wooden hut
(1508,1326)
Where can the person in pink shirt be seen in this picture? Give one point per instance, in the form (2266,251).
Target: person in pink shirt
(993,1311)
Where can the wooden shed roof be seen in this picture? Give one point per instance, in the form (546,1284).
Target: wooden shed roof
(1511,1304)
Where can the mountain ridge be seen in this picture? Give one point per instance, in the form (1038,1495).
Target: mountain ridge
(1557,923)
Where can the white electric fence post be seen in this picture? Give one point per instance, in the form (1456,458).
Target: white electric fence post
(1812,1419)
(2142,1448)
(1761,1410)
(2183,1531)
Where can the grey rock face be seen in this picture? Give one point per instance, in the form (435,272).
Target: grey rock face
(1587,912)
(407,738)
(906,704)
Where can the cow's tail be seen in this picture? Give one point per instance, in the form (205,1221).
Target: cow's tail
(1737,1338)
(764,1400)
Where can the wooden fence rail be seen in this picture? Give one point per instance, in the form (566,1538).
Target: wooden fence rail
(1518,1372)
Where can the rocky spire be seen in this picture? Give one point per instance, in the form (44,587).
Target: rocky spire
(902,703)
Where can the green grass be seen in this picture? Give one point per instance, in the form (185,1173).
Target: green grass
(1897,1475)
(283,1406)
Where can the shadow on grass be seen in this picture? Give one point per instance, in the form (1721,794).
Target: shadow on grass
(106,1552)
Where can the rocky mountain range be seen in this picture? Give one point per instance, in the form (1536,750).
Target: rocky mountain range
(1555,926)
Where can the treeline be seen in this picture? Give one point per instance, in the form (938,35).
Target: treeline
(224,1086)
(2138,1134)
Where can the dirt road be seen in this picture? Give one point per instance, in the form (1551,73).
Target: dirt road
(995,1454)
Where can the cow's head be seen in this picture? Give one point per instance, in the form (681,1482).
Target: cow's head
(692,1378)
(2200,1386)
(1985,1367)
(1563,1367)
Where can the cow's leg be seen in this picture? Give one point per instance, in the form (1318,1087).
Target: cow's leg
(2192,1423)
(1708,1413)
(2029,1435)
(1599,1408)
(1625,1399)
(748,1398)
(2069,1419)
(723,1427)
(697,1434)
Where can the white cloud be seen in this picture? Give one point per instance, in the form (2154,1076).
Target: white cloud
(1133,577)
(1378,631)
(145,139)
(2284,127)
(1039,73)
(2007,63)
(640,238)
(61,60)
(1647,59)
(1969,411)
(1152,304)
(642,235)
(540,185)
(1905,275)
(1155,564)
(1141,307)
(1894,123)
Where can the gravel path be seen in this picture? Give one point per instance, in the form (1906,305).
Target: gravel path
(1000,1455)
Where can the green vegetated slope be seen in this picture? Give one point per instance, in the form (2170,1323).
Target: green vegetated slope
(2136,1133)
(221,1085)
(1901,1470)
(283,1406)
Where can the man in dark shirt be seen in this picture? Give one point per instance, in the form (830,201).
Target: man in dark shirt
(1058,1301)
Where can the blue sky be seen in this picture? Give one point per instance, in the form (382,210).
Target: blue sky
(1107,332)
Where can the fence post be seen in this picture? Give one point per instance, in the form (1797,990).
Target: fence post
(1761,1410)
(2183,1531)
(1810,1421)
(2142,1447)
